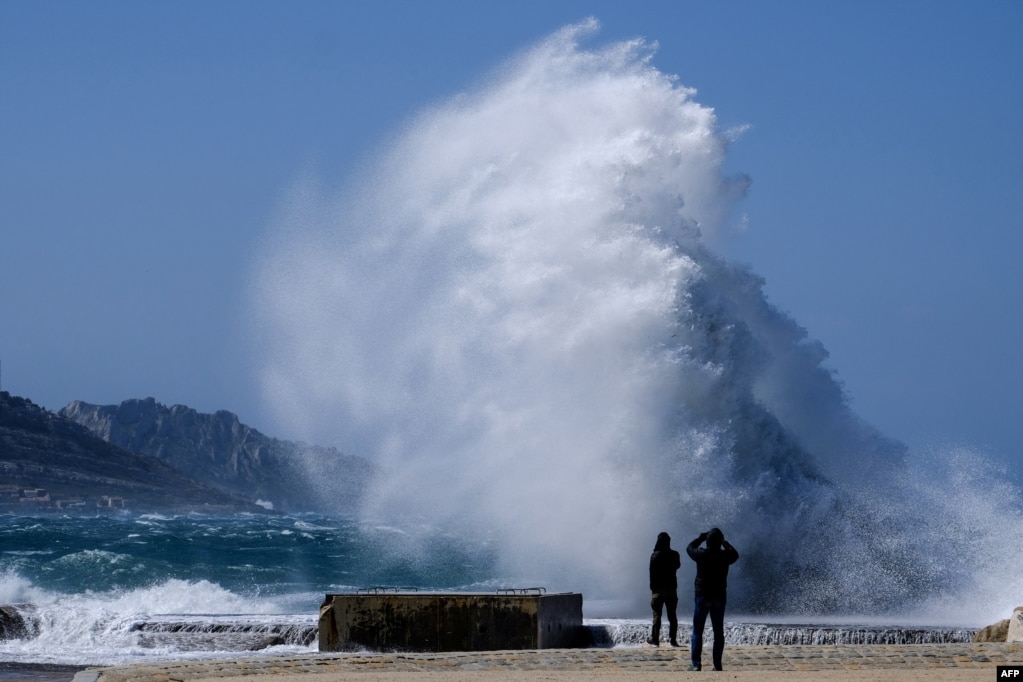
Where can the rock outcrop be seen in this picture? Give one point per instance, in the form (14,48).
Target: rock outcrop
(59,460)
(15,625)
(221,451)
(1015,629)
(995,632)
(1008,630)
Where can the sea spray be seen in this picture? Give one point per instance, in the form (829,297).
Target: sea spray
(517,311)
(251,611)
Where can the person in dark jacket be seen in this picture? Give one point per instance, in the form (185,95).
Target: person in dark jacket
(664,562)
(712,564)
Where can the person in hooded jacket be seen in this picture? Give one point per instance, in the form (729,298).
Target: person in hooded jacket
(712,564)
(664,562)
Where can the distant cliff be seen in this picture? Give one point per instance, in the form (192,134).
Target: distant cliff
(50,462)
(219,450)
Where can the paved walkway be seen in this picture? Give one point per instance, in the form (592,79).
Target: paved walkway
(646,659)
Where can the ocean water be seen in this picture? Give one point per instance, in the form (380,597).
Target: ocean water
(109,588)
(121,588)
(517,312)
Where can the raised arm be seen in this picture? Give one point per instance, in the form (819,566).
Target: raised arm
(693,549)
(730,552)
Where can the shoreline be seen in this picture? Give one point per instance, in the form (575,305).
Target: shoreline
(911,662)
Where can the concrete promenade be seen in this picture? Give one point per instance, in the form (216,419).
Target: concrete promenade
(861,662)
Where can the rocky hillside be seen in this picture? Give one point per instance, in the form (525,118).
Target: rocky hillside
(48,461)
(221,451)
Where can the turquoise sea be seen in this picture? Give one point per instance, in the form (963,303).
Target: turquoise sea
(105,588)
(109,589)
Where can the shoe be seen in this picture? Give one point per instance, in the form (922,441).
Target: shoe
(652,642)
(674,643)
(694,667)
(717,669)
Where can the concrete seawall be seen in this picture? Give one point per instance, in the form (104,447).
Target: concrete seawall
(414,621)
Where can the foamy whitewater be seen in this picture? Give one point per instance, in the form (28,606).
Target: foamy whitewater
(516,309)
(114,588)
(121,588)
(517,312)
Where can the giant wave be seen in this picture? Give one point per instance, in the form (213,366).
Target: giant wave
(518,310)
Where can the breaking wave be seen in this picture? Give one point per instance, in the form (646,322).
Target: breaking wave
(518,312)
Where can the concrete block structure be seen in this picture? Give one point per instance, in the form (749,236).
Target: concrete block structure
(381,620)
(1015,633)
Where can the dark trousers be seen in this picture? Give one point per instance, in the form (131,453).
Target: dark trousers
(669,601)
(716,609)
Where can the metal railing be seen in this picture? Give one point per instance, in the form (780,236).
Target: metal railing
(381,589)
(386,589)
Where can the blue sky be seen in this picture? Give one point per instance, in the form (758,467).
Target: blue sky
(145,148)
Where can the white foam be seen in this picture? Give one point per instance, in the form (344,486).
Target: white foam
(517,311)
(97,628)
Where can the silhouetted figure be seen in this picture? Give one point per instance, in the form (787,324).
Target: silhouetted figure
(664,562)
(712,564)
